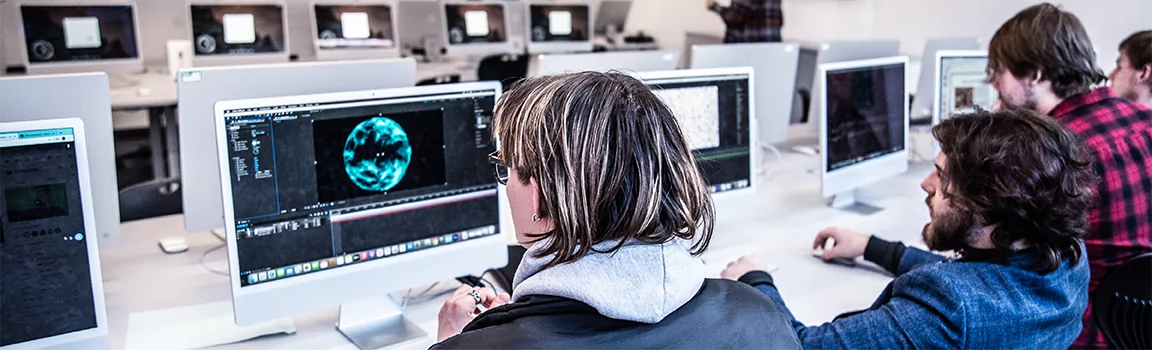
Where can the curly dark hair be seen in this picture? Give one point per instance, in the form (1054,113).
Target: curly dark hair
(1045,39)
(1023,174)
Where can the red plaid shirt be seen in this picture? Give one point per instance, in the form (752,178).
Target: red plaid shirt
(1118,133)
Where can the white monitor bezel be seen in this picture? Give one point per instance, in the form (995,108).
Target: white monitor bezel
(110,66)
(235,60)
(734,204)
(869,171)
(355,54)
(90,336)
(480,49)
(937,79)
(270,300)
(557,47)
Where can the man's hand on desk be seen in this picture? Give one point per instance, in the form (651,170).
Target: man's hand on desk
(745,264)
(847,244)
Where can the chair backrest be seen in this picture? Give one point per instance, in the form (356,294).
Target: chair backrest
(507,69)
(1122,304)
(151,199)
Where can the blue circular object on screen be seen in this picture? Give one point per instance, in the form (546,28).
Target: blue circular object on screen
(79,237)
(377,154)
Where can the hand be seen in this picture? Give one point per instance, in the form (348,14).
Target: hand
(745,264)
(848,244)
(710,3)
(461,308)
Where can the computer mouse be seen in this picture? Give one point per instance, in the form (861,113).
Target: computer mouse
(174,244)
(806,150)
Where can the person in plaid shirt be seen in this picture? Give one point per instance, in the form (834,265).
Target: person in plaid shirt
(750,21)
(1041,59)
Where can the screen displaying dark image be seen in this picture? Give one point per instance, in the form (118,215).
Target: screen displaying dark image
(866,114)
(237,29)
(354,26)
(45,279)
(475,24)
(556,23)
(79,33)
(364,156)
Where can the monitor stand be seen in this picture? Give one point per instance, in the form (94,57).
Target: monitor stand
(846,201)
(376,323)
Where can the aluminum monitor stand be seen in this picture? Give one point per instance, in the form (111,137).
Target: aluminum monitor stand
(847,201)
(376,323)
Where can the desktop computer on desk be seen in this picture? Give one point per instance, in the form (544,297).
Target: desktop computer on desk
(354,29)
(236,32)
(864,127)
(923,101)
(559,27)
(961,84)
(337,198)
(99,36)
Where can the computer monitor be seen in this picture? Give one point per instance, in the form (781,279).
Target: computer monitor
(611,16)
(200,89)
(841,51)
(340,198)
(85,96)
(352,29)
(555,26)
(961,84)
(235,32)
(775,65)
(863,136)
(99,36)
(477,28)
(925,90)
(51,290)
(714,108)
(629,61)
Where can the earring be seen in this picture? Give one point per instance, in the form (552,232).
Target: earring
(535,218)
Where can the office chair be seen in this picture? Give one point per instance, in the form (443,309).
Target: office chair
(151,199)
(507,69)
(1122,306)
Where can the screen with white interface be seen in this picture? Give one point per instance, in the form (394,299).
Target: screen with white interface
(865,114)
(354,27)
(559,23)
(964,86)
(475,23)
(237,29)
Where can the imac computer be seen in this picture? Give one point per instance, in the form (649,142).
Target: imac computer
(559,27)
(84,96)
(923,100)
(863,136)
(235,32)
(200,89)
(628,61)
(98,36)
(961,84)
(341,198)
(714,108)
(51,290)
(352,29)
(477,28)
(775,65)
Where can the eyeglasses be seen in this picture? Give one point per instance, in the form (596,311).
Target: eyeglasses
(498,168)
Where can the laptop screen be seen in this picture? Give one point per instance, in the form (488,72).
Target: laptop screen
(45,278)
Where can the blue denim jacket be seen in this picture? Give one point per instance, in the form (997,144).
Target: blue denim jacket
(935,304)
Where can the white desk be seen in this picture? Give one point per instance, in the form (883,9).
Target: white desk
(156,93)
(138,277)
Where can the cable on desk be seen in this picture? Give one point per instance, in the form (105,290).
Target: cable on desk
(209,251)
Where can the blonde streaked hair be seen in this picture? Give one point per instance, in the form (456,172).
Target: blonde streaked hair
(610,160)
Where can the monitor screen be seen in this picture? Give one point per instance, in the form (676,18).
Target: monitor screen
(865,113)
(237,29)
(475,23)
(559,23)
(45,277)
(713,113)
(321,186)
(354,27)
(964,86)
(79,33)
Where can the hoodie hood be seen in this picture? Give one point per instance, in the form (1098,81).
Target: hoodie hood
(640,282)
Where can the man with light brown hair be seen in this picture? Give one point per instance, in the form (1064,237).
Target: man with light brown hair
(1132,78)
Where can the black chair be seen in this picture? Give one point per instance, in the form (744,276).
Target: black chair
(1122,306)
(507,69)
(151,199)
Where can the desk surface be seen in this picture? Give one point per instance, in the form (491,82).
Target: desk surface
(139,277)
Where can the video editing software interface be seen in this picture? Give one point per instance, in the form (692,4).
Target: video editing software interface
(237,29)
(354,27)
(321,186)
(45,280)
(559,23)
(713,114)
(79,33)
(865,118)
(964,86)
(475,23)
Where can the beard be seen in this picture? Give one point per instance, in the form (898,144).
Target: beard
(1030,103)
(948,230)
